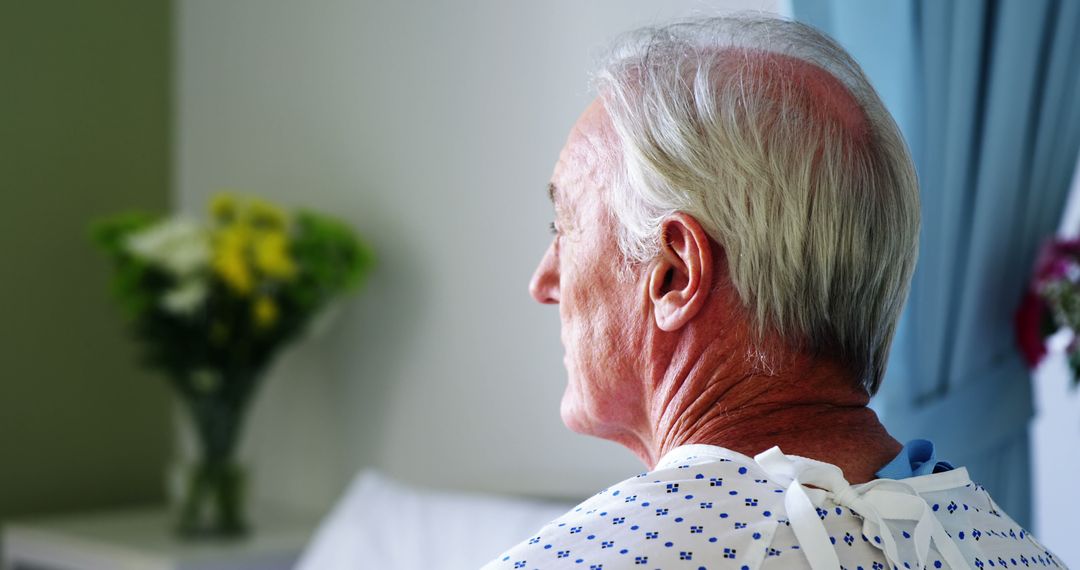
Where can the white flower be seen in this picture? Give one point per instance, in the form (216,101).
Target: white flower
(179,246)
(185,298)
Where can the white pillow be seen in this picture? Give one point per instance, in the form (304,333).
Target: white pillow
(382,524)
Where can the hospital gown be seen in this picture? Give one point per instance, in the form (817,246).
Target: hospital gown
(707,507)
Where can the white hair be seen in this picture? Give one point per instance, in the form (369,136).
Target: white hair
(769,134)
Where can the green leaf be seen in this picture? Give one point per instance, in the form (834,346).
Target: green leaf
(111,234)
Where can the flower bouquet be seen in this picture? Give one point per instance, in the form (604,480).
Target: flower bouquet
(1052,303)
(212,303)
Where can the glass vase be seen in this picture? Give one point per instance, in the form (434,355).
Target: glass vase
(213,502)
(211,485)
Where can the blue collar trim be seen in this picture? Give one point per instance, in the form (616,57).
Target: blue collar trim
(917,458)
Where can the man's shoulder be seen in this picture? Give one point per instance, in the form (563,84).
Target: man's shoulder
(716,509)
(726,490)
(983,532)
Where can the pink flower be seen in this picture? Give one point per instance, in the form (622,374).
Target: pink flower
(1030,318)
(1056,260)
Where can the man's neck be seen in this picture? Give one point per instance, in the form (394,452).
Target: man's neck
(806,406)
(849,437)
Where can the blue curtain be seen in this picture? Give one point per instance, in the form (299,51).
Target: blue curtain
(987,94)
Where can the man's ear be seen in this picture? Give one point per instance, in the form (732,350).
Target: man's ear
(680,277)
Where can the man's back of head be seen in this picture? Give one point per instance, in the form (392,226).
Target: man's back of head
(770,135)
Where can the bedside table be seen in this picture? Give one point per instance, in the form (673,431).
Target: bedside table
(142,539)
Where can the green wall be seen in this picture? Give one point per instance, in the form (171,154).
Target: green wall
(84,131)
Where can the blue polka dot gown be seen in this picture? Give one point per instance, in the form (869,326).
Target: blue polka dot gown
(706,507)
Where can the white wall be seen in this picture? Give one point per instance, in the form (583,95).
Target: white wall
(433,128)
(1055,437)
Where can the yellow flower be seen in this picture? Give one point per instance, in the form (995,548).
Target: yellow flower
(231,258)
(223,208)
(266,215)
(249,243)
(232,238)
(264,311)
(272,255)
(234,271)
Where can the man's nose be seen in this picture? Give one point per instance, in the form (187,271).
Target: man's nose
(544,285)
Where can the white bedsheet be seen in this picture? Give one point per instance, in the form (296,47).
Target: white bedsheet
(386,525)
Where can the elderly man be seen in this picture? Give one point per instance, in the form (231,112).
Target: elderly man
(736,221)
